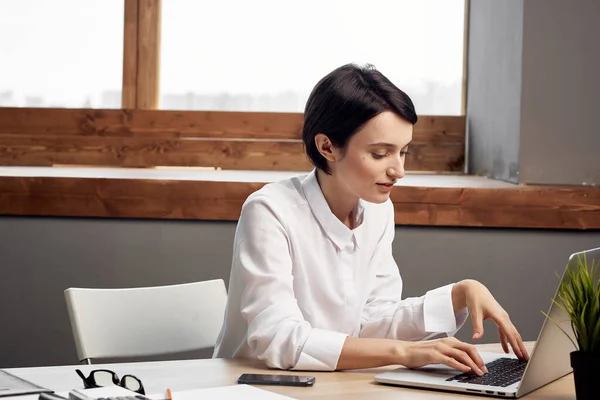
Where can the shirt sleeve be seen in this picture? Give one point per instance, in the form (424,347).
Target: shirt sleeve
(387,315)
(277,331)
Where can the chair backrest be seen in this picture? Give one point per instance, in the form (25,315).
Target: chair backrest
(146,321)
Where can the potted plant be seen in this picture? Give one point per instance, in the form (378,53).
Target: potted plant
(579,297)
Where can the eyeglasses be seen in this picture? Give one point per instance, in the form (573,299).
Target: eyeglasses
(105,377)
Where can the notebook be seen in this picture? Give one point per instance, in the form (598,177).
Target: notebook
(245,392)
(11,385)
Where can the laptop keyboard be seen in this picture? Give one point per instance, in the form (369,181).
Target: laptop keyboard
(502,372)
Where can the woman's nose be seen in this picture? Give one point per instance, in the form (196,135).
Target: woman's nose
(396,172)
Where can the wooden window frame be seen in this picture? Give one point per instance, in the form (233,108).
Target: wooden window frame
(141,54)
(140,135)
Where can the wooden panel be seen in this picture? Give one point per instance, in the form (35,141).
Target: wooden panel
(150,123)
(167,123)
(20,150)
(548,208)
(521,207)
(130,55)
(146,138)
(449,129)
(148,63)
(435,157)
(120,197)
(140,152)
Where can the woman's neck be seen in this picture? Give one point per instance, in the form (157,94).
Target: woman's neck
(341,203)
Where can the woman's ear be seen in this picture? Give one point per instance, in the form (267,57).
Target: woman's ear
(326,148)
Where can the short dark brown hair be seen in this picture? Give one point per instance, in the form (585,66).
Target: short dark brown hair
(346,99)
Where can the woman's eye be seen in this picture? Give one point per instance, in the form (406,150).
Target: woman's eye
(378,156)
(403,153)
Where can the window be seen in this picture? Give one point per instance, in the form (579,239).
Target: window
(61,53)
(266,55)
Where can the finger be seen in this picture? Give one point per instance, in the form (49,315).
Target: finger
(503,340)
(524,351)
(517,344)
(511,334)
(477,319)
(453,363)
(464,359)
(522,346)
(519,340)
(509,330)
(473,354)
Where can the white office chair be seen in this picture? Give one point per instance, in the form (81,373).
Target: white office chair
(146,321)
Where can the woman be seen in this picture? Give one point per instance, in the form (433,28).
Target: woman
(314,285)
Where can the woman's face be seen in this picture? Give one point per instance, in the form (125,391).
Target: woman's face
(373,159)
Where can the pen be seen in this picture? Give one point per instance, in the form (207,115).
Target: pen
(169,394)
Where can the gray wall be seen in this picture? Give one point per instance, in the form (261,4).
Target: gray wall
(533,86)
(43,256)
(560,133)
(494,88)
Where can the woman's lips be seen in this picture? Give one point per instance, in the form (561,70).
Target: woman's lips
(385,187)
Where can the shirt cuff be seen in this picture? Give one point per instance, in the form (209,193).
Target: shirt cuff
(461,317)
(321,351)
(438,312)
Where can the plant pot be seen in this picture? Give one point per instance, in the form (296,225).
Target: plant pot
(586,370)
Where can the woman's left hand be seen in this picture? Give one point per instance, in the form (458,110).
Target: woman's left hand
(482,305)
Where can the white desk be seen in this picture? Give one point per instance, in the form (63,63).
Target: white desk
(195,374)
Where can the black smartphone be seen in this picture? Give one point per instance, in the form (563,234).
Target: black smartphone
(284,380)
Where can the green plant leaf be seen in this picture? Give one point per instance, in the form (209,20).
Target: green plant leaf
(595,346)
(578,297)
(580,326)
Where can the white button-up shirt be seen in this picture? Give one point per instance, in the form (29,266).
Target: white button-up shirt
(302,281)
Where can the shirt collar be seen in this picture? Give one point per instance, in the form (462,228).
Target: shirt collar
(339,233)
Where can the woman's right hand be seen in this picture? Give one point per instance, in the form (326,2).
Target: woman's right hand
(448,351)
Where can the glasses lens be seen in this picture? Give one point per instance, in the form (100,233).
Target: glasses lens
(131,383)
(104,378)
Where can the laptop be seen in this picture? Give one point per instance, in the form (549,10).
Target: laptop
(508,377)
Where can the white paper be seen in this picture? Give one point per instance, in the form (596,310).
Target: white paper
(245,392)
(103,392)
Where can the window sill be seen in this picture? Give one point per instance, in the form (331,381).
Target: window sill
(200,194)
